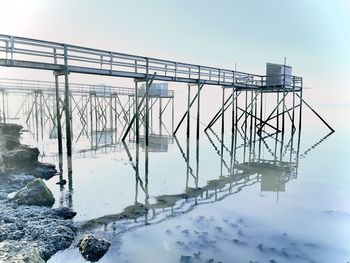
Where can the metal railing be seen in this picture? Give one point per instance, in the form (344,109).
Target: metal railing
(56,56)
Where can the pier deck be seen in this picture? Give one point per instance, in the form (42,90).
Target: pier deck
(45,55)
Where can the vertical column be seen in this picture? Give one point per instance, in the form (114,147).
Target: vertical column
(261,122)
(187,160)
(36,115)
(68,115)
(283,110)
(197,133)
(300,107)
(222,129)
(245,114)
(245,124)
(67,105)
(236,108)
(233,111)
(232,129)
(137,119)
(147,132)
(116,116)
(96,119)
(3,92)
(58,116)
(60,169)
(70,181)
(172,115)
(0,108)
(251,121)
(251,125)
(147,109)
(111,115)
(278,110)
(299,129)
(284,97)
(137,126)
(223,112)
(293,111)
(188,110)
(129,109)
(91,120)
(160,115)
(256,115)
(41,115)
(198,108)
(251,111)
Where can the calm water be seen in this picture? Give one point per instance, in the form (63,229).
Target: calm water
(241,205)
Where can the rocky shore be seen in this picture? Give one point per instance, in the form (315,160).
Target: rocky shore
(30,230)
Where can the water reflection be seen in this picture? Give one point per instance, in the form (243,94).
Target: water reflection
(245,158)
(265,161)
(157,143)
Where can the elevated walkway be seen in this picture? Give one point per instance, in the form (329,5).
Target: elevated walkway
(45,55)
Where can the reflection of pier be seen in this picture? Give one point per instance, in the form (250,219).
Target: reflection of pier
(157,143)
(272,172)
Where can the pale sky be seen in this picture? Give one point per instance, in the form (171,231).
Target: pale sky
(314,35)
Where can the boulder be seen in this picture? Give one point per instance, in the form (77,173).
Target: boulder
(65,212)
(34,193)
(20,157)
(9,142)
(19,252)
(93,248)
(44,170)
(51,238)
(10,128)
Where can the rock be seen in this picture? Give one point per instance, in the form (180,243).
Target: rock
(19,252)
(44,171)
(185,259)
(93,248)
(11,231)
(9,141)
(62,182)
(30,232)
(34,193)
(20,157)
(65,212)
(52,239)
(10,128)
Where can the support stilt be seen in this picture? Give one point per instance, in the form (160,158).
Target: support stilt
(58,116)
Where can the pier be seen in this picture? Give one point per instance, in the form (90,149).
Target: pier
(244,94)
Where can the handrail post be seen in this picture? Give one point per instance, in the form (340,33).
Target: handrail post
(110,62)
(12,46)
(7,49)
(175,71)
(54,56)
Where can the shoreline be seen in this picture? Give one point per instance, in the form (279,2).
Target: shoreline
(28,233)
